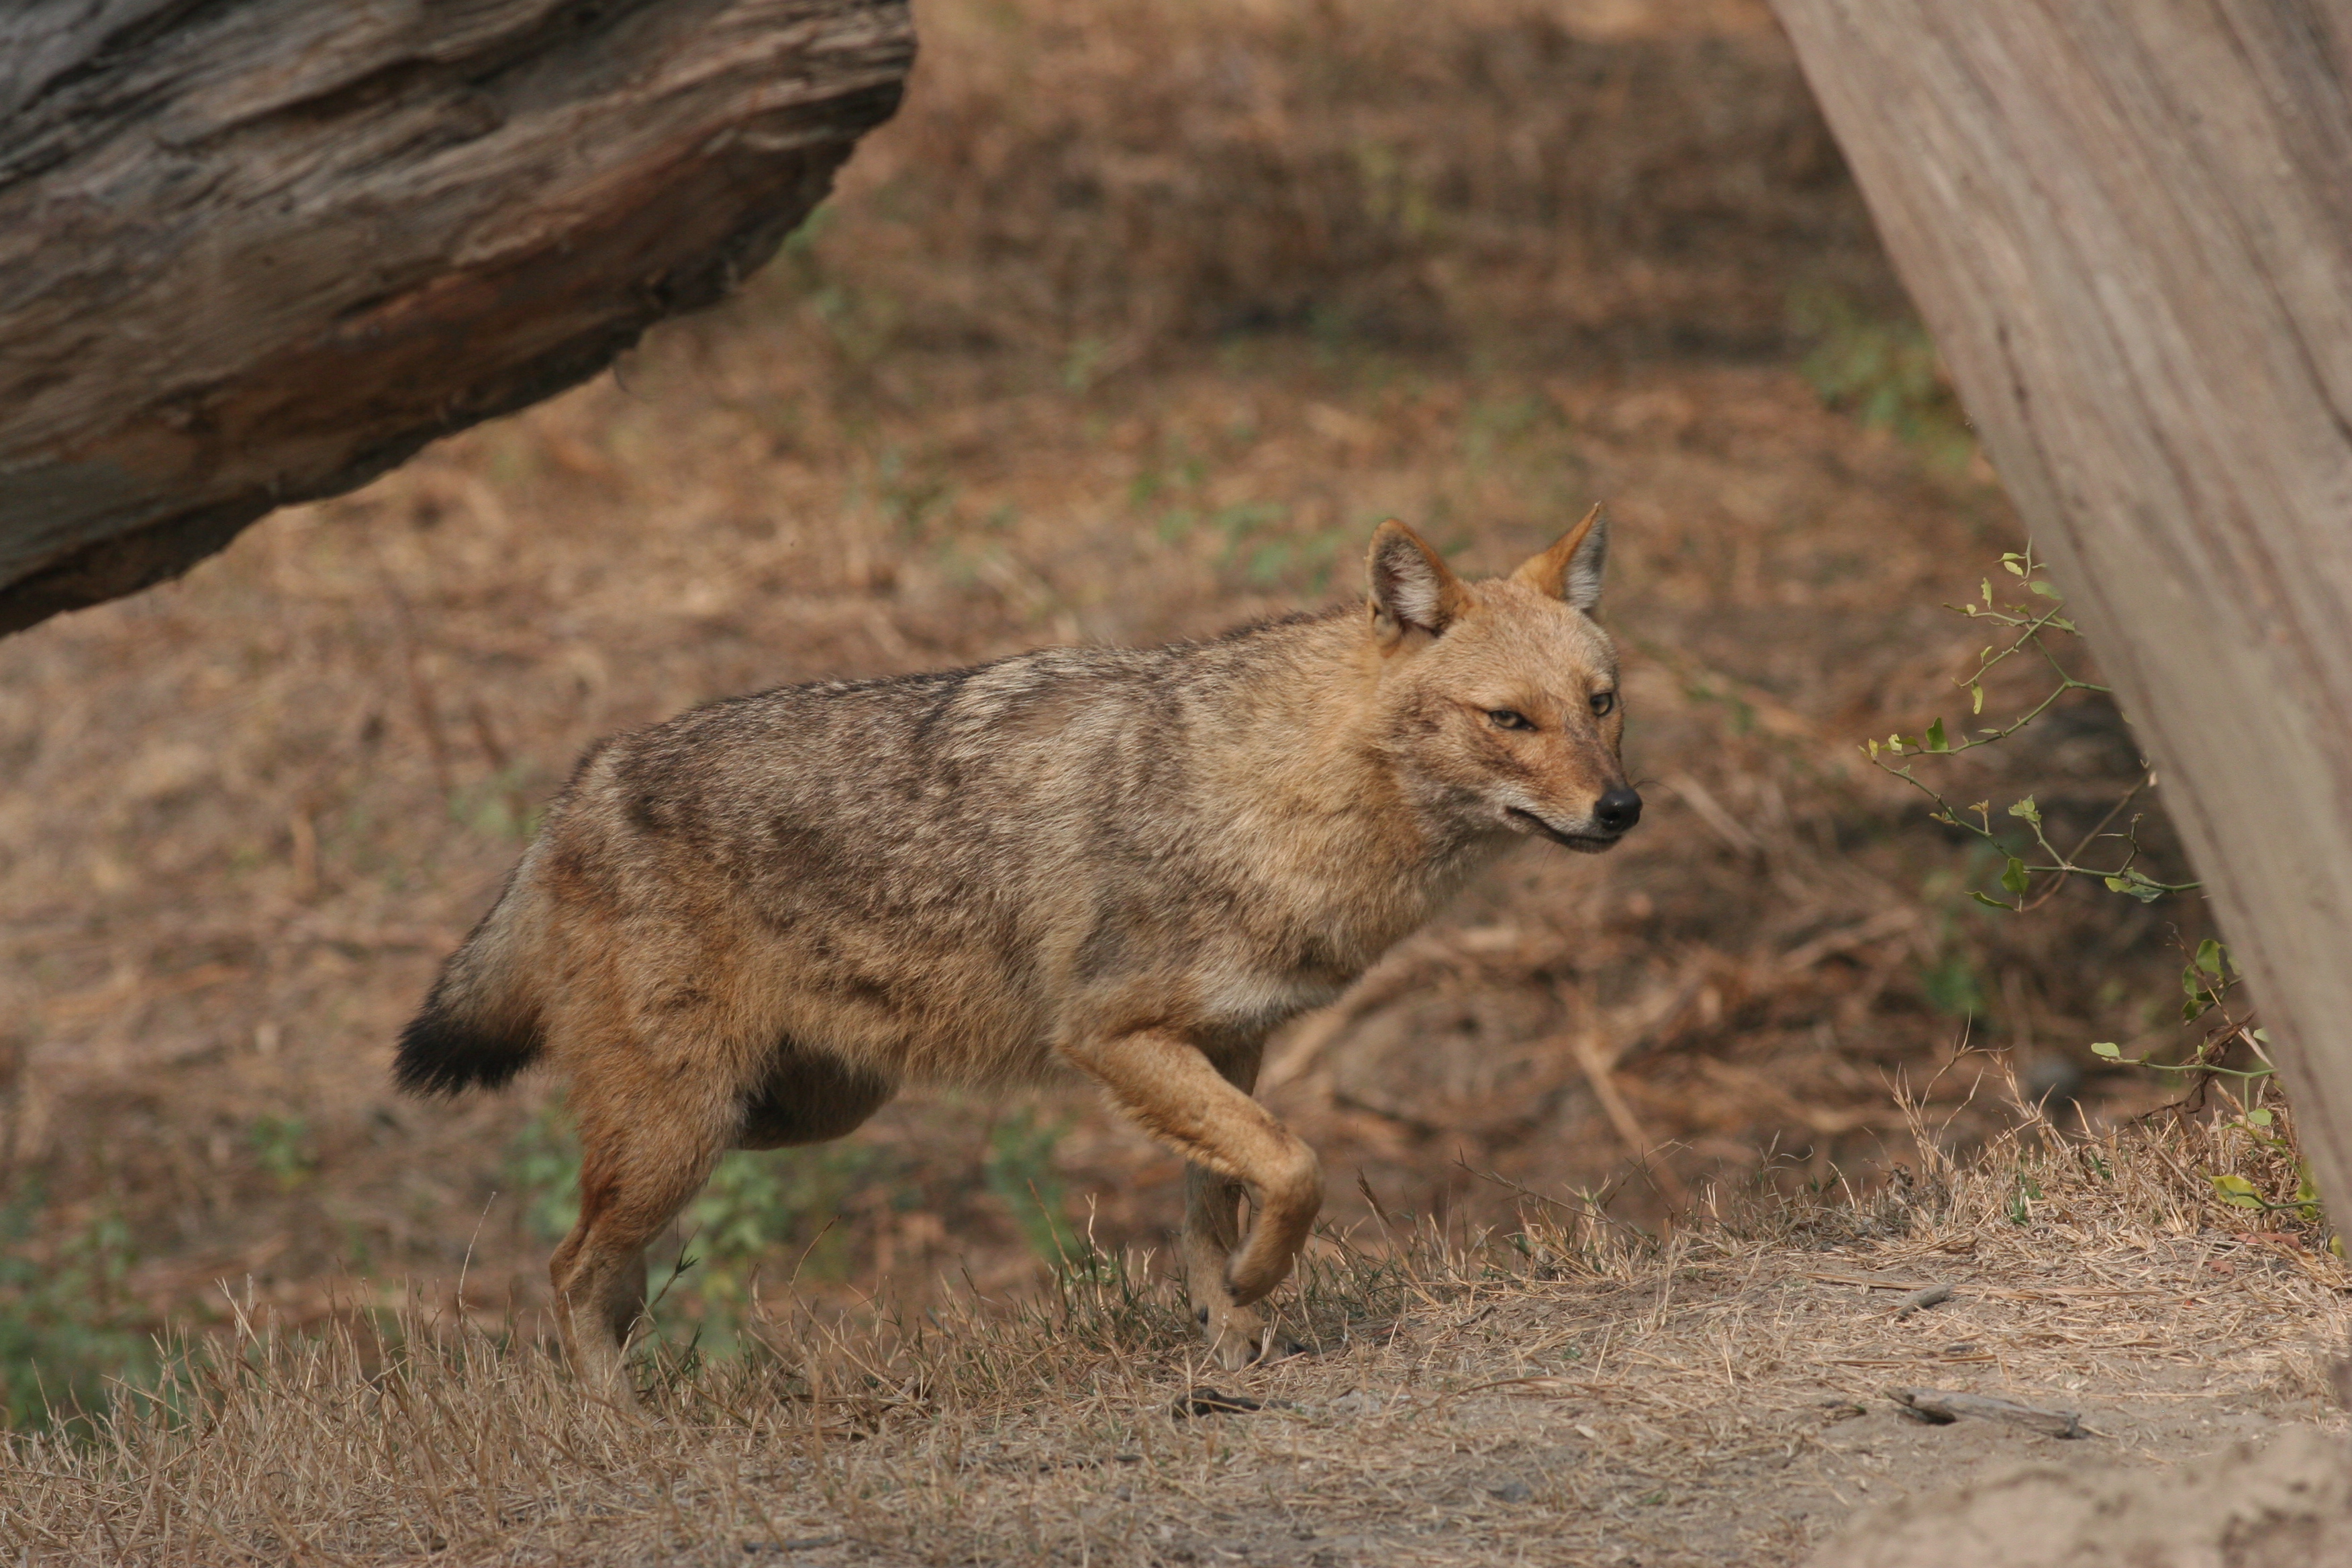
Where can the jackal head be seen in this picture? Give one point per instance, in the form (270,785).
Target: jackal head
(1498,699)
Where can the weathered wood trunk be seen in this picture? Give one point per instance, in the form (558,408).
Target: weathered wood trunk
(256,251)
(2130,225)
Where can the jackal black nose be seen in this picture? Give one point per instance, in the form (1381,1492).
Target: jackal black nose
(1618,809)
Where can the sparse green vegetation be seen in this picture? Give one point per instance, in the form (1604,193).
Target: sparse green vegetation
(542,1168)
(282,1146)
(1021,1174)
(68,1337)
(1884,371)
(504,807)
(778,1211)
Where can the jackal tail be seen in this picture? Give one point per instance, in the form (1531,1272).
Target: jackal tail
(481,1024)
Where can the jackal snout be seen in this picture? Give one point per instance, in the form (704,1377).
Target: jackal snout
(1612,817)
(1619,808)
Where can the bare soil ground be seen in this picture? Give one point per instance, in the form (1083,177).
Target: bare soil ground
(1132,327)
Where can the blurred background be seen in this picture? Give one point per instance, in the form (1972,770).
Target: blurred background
(1130,326)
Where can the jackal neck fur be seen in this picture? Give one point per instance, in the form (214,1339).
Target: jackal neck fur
(1295,810)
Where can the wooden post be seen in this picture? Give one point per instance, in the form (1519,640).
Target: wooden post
(258,251)
(2128,224)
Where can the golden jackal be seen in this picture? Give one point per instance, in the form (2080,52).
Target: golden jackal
(749,926)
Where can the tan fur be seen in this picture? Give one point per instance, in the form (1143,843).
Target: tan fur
(748,927)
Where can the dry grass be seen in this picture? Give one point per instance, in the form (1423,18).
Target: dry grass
(1568,1392)
(1473,266)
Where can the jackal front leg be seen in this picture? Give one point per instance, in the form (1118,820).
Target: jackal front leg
(1236,1146)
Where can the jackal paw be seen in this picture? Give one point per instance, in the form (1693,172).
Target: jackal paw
(1240,1337)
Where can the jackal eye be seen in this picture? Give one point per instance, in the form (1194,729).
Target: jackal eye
(1506,719)
(1602,701)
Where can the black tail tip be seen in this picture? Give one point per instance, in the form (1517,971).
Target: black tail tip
(440,1056)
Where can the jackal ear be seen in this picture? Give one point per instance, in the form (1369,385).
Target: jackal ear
(1571,569)
(1411,585)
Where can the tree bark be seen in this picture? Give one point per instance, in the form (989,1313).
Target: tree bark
(2128,224)
(257,251)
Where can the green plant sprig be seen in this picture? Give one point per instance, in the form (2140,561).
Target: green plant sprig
(2206,981)
(2029,623)
(2107,1050)
(2026,623)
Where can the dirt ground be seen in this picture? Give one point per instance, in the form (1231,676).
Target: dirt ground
(1035,377)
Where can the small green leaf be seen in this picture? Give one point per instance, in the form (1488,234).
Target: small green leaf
(1988,902)
(2262,1037)
(1976,696)
(2062,623)
(2135,885)
(2209,957)
(2237,1191)
(2258,1117)
(1935,742)
(2108,1049)
(2013,876)
(1985,588)
(2044,589)
(2029,811)
(2015,563)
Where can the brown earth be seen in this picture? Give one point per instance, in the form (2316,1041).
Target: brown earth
(2282,1503)
(1130,328)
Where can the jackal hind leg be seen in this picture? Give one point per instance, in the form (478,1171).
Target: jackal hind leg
(645,1149)
(1236,1148)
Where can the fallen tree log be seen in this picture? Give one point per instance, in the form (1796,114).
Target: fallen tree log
(2128,224)
(254,252)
